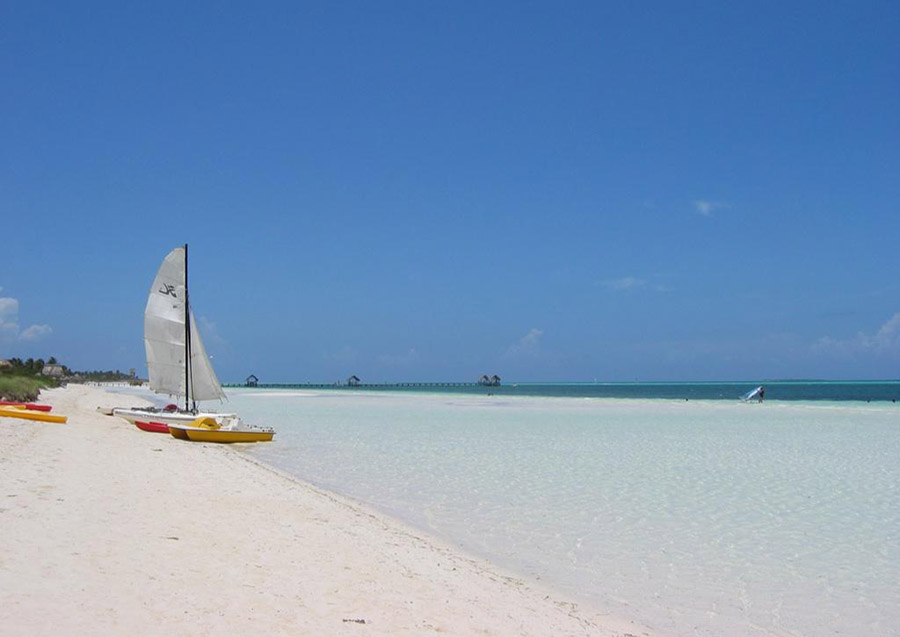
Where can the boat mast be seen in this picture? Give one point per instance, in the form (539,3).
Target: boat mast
(187,339)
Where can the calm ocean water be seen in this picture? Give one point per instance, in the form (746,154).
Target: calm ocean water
(700,517)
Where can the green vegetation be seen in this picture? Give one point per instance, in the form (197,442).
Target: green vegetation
(29,367)
(23,388)
(22,380)
(106,377)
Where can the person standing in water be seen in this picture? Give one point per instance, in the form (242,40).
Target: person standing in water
(762,393)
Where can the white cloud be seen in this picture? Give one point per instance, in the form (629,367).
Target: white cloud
(888,335)
(528,345)
(8,307)
(9,316)
(36,333)
(706,207)
(885,340)
(625,283)
(9,324)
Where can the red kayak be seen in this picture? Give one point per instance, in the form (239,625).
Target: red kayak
(31,406)
(154,427)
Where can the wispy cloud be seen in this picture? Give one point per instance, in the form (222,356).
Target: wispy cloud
(9,324)
(528,345)
(706,207)
(344,355)
(210,332)
(36,332)
(400,360)
(886,340)
(624,283)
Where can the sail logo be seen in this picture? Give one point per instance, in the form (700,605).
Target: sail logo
(168,289)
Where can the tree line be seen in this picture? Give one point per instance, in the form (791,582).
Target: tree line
(30,366)
(34,367)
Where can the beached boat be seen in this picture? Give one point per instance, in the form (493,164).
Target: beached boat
(229,436)
(30,414)
(223,430)
(178,431)
(152,427)
(176,358)
(177,362)
(135,414)
(32,406)
(169,413)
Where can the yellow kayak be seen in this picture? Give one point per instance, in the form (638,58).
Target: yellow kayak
(30,414)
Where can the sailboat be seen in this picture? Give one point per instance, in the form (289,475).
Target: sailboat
(177,362)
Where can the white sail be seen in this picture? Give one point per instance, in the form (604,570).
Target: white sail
(752,395)
(164,337)
(164,327)
(204,383)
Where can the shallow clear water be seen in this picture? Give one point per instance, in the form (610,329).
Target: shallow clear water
(701,517)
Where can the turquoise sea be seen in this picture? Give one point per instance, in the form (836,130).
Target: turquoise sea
(705,516)
(775,390)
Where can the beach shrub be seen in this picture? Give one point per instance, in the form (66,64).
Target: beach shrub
(23,388)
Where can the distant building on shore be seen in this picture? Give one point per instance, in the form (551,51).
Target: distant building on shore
(489,381)
(53,369)
(353,381)
(252,381)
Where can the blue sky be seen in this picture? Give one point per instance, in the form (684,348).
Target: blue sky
(433,191)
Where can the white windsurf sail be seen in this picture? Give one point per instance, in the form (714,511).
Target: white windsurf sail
(752,395)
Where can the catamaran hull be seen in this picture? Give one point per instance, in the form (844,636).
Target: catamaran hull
(205,434)
(152,427)
(218,435)
(169,418)
(178,432)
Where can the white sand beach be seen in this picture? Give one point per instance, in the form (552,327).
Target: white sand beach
(110,530)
